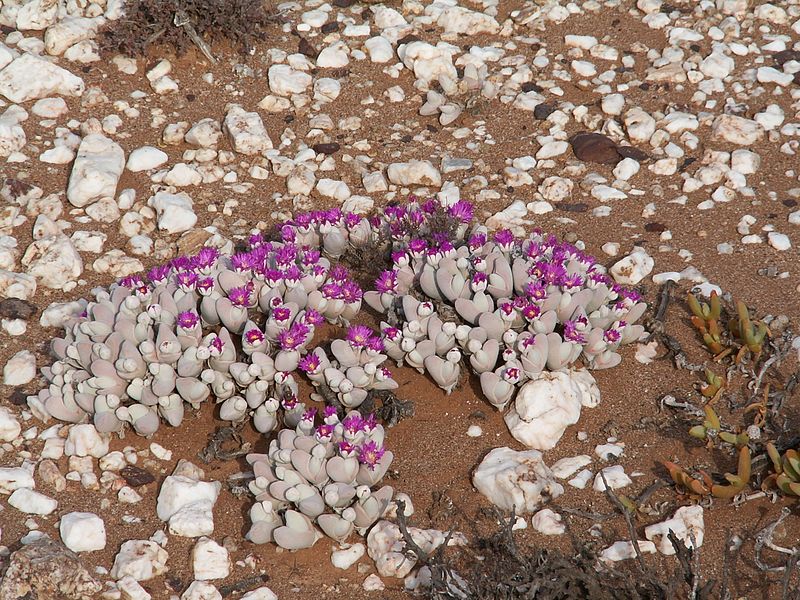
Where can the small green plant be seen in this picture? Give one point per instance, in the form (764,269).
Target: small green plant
(747,333)
(705,318)
(751,334)
(787,471)
(711,430)
(713,386)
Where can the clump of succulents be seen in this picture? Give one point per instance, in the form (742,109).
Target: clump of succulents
(512,306)
(319,477)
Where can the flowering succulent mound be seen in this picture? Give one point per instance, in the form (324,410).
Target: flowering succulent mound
(514,307)
(321,476)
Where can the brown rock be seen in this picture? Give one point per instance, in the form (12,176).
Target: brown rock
(47,570)
(192,241)
(326,148)
(14,308)
(305,48)
(136,477)
(595,147)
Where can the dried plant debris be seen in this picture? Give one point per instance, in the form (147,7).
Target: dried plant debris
(224,444)
(182,24)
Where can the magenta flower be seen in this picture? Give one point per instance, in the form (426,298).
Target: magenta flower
(313,317)
(187,280)
(289,402)
(294,337)
(286,255)
(351,292)
(324,432)
(288,234)
(353,423)
(370,423)
(571,333)
(391,333)
(573,281)
(309,364)
(417,246)
(332,291)
(328,412)
(255,239)
(244,261)
(535,291)
(181,263)
(254,337)
(611,336)
(187,319)
(387,282)
(205,259)
(158,274)
(240,296)
(346,449)
(461,210)
(310,257)
(477,241)
(131,281)
(430,206)
(205,285)
(281,314)
(292,274)
(359,335)
(375,344)
(217,345)
(504,238)
(273,277)
(309,415)
(339,274)
(479,278)
(370,454)
(351,220)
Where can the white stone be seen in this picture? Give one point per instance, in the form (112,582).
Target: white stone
(386,547)
(556,189)
(737,130)
(139,559)
(12,135)
(246,131)
(581,479)
(210,560)
(745,162)
(606,193)
(545,406)
(415,172)
(262,593)
(624,550)
(206,133)
(687,525)
(633,268)
(612,104)
(615,476)
(552,149)
(428,62)
(333,57)
(584,42)
(373,583)
(84,440)
(83,532)
(607,451)
(547,522)
(344,559)
(178,491)
(33,503)
(9,426)
(20,369)
(145,159)
(326,89)
(456,19)
(639,125)
(14,478)
(770,118)
(68,32)
(37,15)
(380,49)
(779,241)
(60,155)
(515,479)
(89,241)
(193,520)
(773,75)
(332,188)
(97,169)
(285,81)
(30,77)
(201,590)
(566,467)
(717,65)
(626,168)
(130,589)
(175,212)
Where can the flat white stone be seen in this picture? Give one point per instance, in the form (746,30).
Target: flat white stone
(19,370)
(174,211)
(145,159)
(178,491)
(84,440)
(14,478)
(686,524)
(83,532)
(737,130)
(262,593)
(139,559)
(415,172)
(515,479)
(29,77)
(624,550)
(246,131)
(779,241)
(9,425)
(285,81)
(615,476)
(31,502)
(97,169)
(201,590)
(566,467)
(210,560)
(547,522)
(344,559)
(633,268)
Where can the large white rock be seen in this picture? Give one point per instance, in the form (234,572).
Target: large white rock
(614,476)
(633,268)
(285,81)
(737,130)
(37,15)
(131,590)
(52,258)
(140,559)
(380,49)
(97,169)
(246,131)
(187,505)
(146,158)
(346,558)
(516,479)
(12,135)
(457,19)
(544,407)
(14,478)
(415,172)
(386,547)
(639,125)
(29,77)
(68,32)
(19,370)
(624,550)
(9,426)
(174,211)
(201,590)
(687,525)
(428,62)
(33,503)
(85,440)
(210,560)
(548,522)
(83,532)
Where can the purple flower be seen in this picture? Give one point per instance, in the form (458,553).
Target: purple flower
(339,274)
(351,220)
(417,246)
(430,206)
(571,333)
(286,255)
(254,336)
(351,292)
(289,402)
(240,296)
(310,257)
(477,241)
(205,285)
(255,239)
(158,274)
(181,263)
(294,337)
(281,314)
(346,449)
(244,261)
(328,412)
(217,345)
(302,221)
(461,210)
(375,344)
(187,280)
(504,238)
(391,333)
(324,432)
(313,317)
(309,414)
(205,259)
(612,335)
(387,282)
(535,291)
(292,274)
(359,335)
(353,423)
(288,234)
(131,281)
(187,319)
(309,364)
(332,291)
(573,281)
(370,454)
(370,423)
(531,312)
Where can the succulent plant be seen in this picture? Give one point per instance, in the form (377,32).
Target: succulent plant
(319,476)
(787,470)
(711,430)
(705,486)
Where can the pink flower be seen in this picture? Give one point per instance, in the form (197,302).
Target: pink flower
(324,432)
(289,402)
(205,285)
(504,238)
(240,296)
(387,282)
(158,274)
(313,317)
(187,280)
(359,335)
(294,337)
(253,337)
(216,345)
(370,454)
(187,319)
(353,423)
(309,414)
(281,314)
(461,210)
(309,364)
